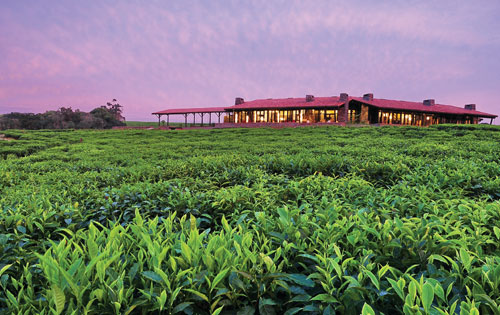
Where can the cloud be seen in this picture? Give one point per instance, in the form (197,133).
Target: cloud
(417,22)
(177,54)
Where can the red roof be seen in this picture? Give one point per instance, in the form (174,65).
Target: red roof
(420,107)
(280,103)
(191,110)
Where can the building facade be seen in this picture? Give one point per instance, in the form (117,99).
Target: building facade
(342,109)
(361,110)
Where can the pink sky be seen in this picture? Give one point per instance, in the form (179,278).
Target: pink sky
(154,55)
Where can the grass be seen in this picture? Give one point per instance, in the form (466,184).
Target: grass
(142,123)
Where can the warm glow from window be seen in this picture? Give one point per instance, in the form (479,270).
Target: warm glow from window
(428,118)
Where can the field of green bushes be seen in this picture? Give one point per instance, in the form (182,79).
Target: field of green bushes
(327,220)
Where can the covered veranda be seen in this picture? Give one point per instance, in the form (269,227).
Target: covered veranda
(200,111)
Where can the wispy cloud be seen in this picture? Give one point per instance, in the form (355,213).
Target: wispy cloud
(409,22)
(165,54)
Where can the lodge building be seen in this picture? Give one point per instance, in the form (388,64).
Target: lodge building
(336,110)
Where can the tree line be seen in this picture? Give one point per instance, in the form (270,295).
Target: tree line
(102,117)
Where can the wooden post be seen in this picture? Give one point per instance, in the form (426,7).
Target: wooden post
(194,119)
(491,121)
(186,120)
(218,114)
(159,120)
(209,118)
(168,120)
(202,114)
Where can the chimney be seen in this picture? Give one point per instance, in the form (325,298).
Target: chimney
(344,112)
(470,106)
(238,101)
(309,98)
(368,97)
(429,102)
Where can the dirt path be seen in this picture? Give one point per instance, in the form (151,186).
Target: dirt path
(4,138)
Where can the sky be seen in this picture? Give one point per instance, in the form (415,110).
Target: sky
(155,55)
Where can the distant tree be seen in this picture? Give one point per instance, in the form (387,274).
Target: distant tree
(23,120)
(68,115)
(115,109)
(89,121)
(51,120)
(111,114)
(106,116)
(9,123)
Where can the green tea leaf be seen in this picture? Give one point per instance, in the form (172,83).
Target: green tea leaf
(181,307)
(465,259)
(201,295)
(438,290)
(412,291)
(162,299)
(323,297)
(329,310)
(266,306)
(92,248)
(367,310)
(373,278)
(396,288)
(219,277)
(21,229)
(4,268)
(300,279)
(12,298)
(427,296)
(59,298)
(293,311)
(186,252)
(496,230)
(225,225)
(153,276)
(217,311)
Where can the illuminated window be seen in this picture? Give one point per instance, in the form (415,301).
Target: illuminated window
(331,115)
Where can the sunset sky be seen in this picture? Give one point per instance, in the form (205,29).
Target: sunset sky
(154,55)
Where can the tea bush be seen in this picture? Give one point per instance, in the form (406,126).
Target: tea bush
(329,220)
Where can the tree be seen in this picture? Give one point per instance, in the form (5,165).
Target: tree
(106,116)
(116,109)
(111,114)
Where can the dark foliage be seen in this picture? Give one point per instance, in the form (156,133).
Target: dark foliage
(103,117)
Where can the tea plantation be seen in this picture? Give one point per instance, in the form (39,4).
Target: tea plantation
(330,220)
